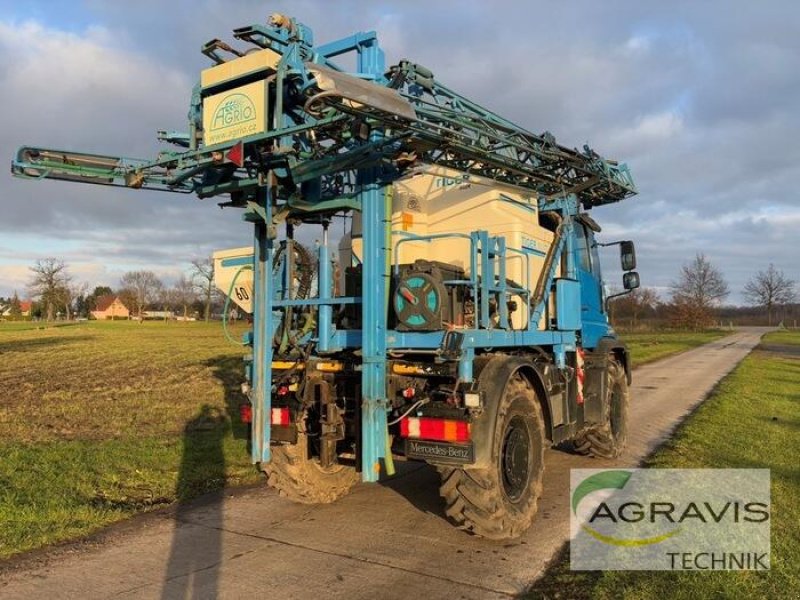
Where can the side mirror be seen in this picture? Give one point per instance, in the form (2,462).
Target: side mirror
(627,255)
(630,280)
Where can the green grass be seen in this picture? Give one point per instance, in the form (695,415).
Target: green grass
(100,420)
(10,326)
(647,347)
(751,421)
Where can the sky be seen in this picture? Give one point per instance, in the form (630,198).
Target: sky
(699,98)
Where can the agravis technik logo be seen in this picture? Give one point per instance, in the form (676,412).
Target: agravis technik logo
(670,519)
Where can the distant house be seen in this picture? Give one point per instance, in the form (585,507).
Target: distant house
(110,307)
(24,307)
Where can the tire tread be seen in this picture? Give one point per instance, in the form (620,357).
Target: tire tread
(474,497)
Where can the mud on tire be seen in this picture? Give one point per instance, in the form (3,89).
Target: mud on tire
(500,502)
(607,439)
(302,479)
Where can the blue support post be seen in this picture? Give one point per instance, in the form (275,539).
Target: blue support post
(465,365)
(262,332)
(257,372)
(487,278)
(373,374)
(474,275)
(348,44)
(560,355)
(499,254)
(325,317)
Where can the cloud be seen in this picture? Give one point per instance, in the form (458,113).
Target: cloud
(81,91)
(15,279)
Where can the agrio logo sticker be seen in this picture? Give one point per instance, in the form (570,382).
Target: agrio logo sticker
(236,109)
(234,114)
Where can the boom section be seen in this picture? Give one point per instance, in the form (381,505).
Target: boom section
(317,125)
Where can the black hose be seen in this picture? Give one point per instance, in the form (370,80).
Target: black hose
(539,291)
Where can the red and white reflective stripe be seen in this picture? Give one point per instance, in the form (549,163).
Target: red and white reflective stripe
(410,428)
(280,416)
(579,375)
(441,430)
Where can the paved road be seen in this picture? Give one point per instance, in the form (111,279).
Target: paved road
(382,541)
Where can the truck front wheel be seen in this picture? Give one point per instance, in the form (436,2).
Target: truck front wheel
(301,478)
(607,439)
(500,502)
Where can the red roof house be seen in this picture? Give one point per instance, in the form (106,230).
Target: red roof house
(110,307)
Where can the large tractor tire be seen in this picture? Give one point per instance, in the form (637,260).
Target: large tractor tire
(500,502)
(302,479)
(607,439)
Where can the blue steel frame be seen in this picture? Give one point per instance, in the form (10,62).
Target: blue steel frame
(263,331)
(371,61)
(370,65)
(515,157)
(487,278)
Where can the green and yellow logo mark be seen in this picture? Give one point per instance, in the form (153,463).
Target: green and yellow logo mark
(233,110)
(610,480)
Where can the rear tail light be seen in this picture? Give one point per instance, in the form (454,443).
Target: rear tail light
(280,417)
(440,430)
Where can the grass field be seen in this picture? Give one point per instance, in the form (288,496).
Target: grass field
(751,421)
(647,347)
(9,326)
(101,420)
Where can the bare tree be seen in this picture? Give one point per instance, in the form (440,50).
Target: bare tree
(167,299)
(203,279)
(634,304)
(49,284)
(73,291)
(128,298)
(699,288)
(143,287)
(184,295)
(769,289)
(15,307)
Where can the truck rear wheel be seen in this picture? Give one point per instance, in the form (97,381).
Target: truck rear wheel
(500,502)
(607,439)
(301,478)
